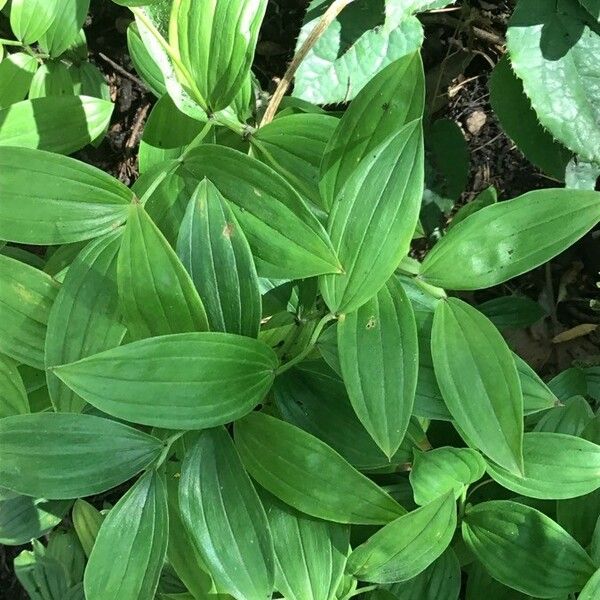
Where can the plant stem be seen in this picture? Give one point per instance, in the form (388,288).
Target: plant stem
(309,347)
(168,443)
(5,42)
(197,141)
(328,17)
(362,590)
(159,179)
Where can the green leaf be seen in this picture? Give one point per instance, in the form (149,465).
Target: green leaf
(91,82)
(293,146)
(136,531)
(378,352)
(537,396)
(16,73)
(224,514)
(143,62)
(520,122)
(65,455)
(13,395)
(441,470)
(479,381)
(307,474)
(568,383)
(526,550)
(592,588)
(571,418)
(51,199)
(23,518)
(579,515)
(60,124)
(374,217)
(363,39)
(167,133)
(285,237)
(480,584)
(441,580)
(553,45)
(53,78)
(42,576)
(216,43)
(157,295)
(86,522)
(85,316)
(26,297)
(556,466)
(310,554)
(507,239)
(216,254)
(592,6)
(407,546)
(299,397)
(485,198)
(212,378)
(30,19)
(68,19)
(393,98)
(512,311)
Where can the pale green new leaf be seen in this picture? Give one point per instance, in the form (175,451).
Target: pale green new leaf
(26,297)
(30,19)
(479,381)
(407,546)
(144,63)
(13,395)
(378,352)
(216,254)
(374,217)
(86,521)
(129,551)
(52,199)
(509,238)
(224,515)
(65,455)
(438,471)
(179,381)
(526,550)
(556,466)
(285,237)
(85,317)
(157,295)
(554,45)
(307,474)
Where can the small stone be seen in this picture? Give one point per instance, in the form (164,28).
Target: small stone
(475,121)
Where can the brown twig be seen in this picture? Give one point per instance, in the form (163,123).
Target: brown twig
(453,22)
(328,17)
(138,123)
(124,72)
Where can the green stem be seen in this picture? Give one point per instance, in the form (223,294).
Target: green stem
(311,344)
(6,42)
(197,141)
(362,590)
(159,179)
(168,443)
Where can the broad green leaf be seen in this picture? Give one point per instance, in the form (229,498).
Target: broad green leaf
(571,418)
(439,581)
(53,78)
(16,72)
(26,297)
(537,396)
(223,513)
(374,217)
(507,239)
(480,584)
(89,81)
(307,474)
(157,295)
(86,522)
(180,381)
(183,553)
(64,455)
(216,254)
(378,352)
(294,145)
(23,518)
(512,311)
(568,383)
(526,550)
(310,554)
(579,515)
(592,6)
(390,100)
(53,199)
(485,198)
(591,591)
(554,45)
(299,397)
(556,466)
(59,124)
(68,19)
(85,316)
(143,62)
(407,546)
(42,576)
(13,395)
(215,42)
(136,531)
(441,470)
(64,546)
(592,377)
(364,38)
(30,19)
(479,381)
(285,237)
(520,122)
(167,133)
